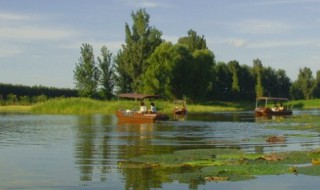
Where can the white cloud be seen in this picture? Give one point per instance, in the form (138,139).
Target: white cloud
(34,33)
(145,3)
(270,44)
(14,17)
(237,42)
(255,26)
(282,2)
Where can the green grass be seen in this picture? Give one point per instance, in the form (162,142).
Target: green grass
(90,106)
(15,108)
(305,104)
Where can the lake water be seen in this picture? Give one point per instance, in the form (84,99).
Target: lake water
(84,151)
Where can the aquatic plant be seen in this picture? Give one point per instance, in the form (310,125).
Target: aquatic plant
(225,164)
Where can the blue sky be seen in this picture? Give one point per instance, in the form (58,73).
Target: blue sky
(40,40)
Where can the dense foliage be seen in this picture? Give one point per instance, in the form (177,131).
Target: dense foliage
(188,70)
(25,95)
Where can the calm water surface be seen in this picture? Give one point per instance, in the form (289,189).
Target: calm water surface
(83,151)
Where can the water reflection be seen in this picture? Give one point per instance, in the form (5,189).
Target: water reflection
(87,150)
(92,147)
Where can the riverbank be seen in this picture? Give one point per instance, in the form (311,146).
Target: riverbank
(15,108)
(90,106)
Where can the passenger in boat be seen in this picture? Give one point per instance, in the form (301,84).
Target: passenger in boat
(184,108)
(281,108)
(143,108)
(153,108)
(275,108)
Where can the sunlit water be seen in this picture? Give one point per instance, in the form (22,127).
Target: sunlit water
(83,152)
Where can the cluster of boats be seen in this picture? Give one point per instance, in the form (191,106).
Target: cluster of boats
(265,106)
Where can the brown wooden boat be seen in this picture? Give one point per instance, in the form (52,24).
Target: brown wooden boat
(264,106)
(128,116)
(182,111)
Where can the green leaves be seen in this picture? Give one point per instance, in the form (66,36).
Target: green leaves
(86,74)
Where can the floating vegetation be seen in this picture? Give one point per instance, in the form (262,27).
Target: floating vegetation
(225,164)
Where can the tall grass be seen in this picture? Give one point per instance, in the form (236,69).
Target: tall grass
(306,104)
(89,106)
(15,108)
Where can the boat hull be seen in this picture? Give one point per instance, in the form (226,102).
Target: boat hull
(136,117)
(268,111)
(180,111)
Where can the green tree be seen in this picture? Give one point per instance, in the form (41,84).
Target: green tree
(295,91)
(106,70)
(306,82)
(86,74)
(202,74)
(283,83)
(316,92)
(203,65)
(122,79)
(234,68)
(158,76)
(170,72)
(257,70)
(193,41)
(222,82)
(140,42)
(246,83)
(182,71)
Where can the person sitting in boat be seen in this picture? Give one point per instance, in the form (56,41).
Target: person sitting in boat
(143,108)
(275,108)
(184,108)
(281,108)
(153,108)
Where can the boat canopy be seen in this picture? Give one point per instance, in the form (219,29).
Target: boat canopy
(272,99)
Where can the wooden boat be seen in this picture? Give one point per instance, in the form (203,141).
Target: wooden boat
(182,111)
(180,108)
(128,116)
(264,106)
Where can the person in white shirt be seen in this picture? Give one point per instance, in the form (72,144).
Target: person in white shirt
(143,108)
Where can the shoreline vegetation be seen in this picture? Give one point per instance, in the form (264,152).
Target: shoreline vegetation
(90,106)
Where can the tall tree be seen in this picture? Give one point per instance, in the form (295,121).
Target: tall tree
(316,92)
(140,42)
(223,82)
(122,79)
(246,83)
(306,82)
(235,88)
(257,70)
(182,71)
(202,74)
(170,73)
(106,70)
(158,76)
(86,74)
(193,41)
(283,83)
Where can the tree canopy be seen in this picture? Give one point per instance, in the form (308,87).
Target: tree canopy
(188,69)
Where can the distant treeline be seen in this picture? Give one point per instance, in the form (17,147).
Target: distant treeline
(20,94)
